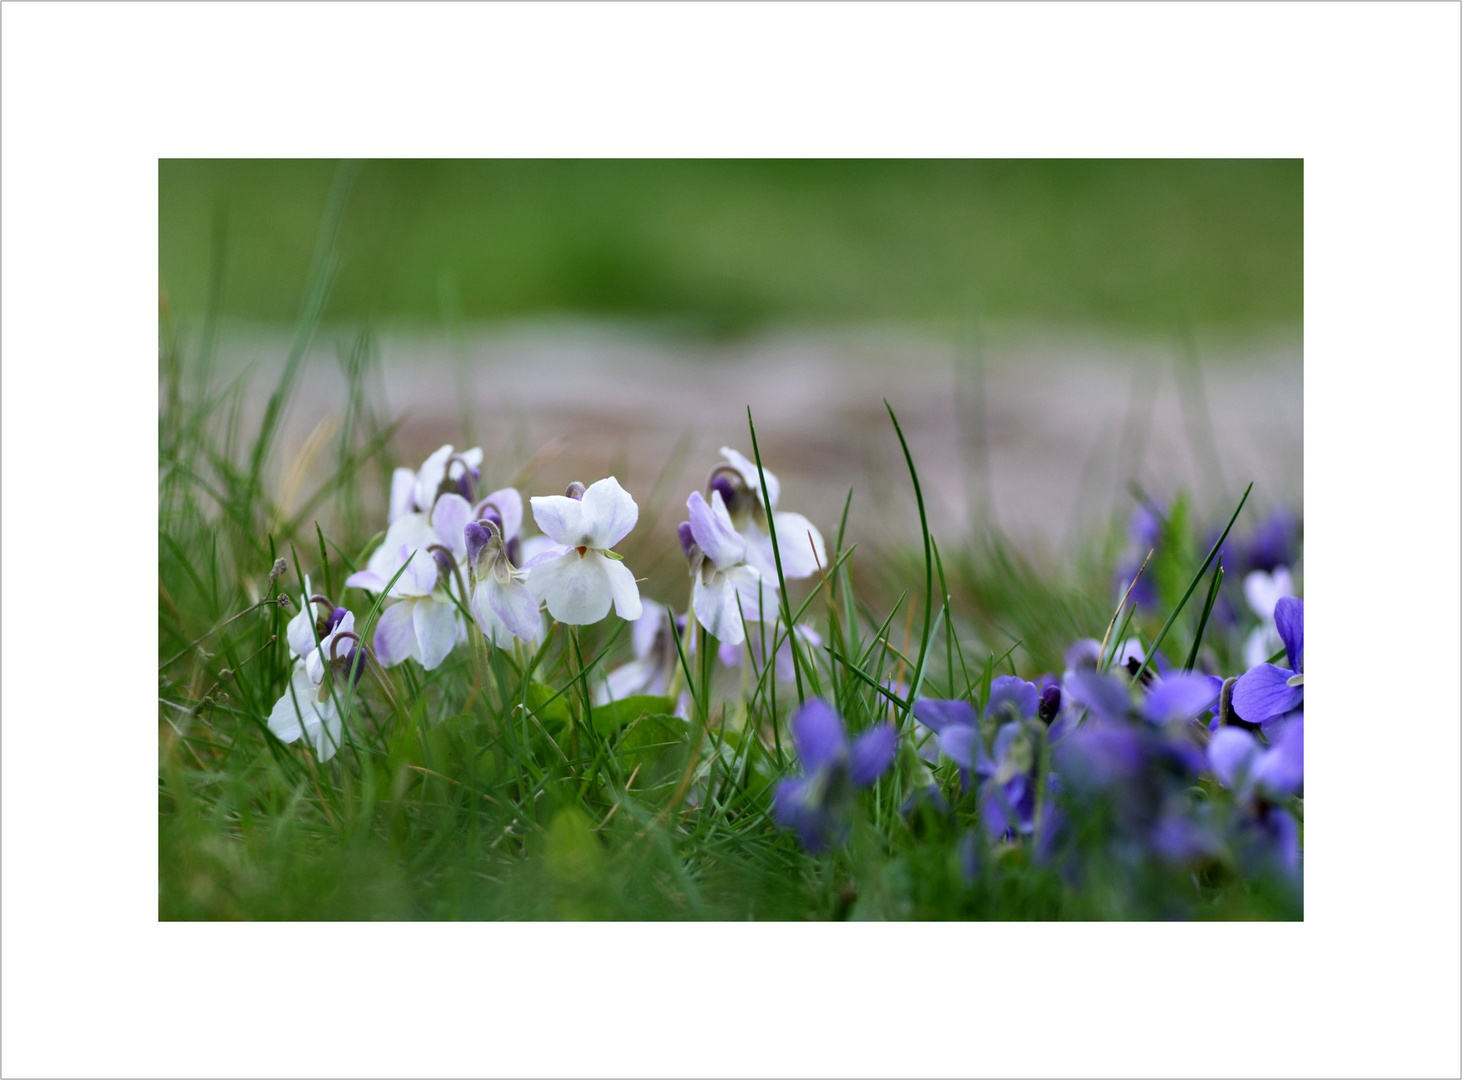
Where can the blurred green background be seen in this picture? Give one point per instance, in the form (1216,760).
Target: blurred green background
(726,246)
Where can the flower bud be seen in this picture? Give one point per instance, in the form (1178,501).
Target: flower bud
(276,570)
(727,489)
(575,490)
(687,538)
(477,536)
(1050,703)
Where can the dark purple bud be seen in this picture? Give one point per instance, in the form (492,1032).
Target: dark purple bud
(687,538)
(1050,703)
(333,620)
(477,537)
(467,484)
(728,492)
(355,664)
(575,490)
(444,562)
(514,550)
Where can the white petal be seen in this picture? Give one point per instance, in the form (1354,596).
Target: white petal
(327,730)
(284,720)
(429,479)
(716,610)
(436,630)
(395,637)
(610,513)
(472,457)
(758,594)
(449,519)
(711,526)
(509,505)
(1264,591)
(747,468)
(626,592)
(800,544)
(576,587)
(411,530)
(300,632)
(561,519)
(403,490)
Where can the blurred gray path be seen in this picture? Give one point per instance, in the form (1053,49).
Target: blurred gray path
(1042,432)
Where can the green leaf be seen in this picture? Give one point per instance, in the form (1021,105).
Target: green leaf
(622,713)
(658,746)
(550,706)
(460,748)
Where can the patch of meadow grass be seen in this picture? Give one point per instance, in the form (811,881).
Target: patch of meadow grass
(493,787)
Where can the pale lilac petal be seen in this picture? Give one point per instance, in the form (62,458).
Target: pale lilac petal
(395,637)
(627,680)
(1289,620)
(449,521)
(1085,653)
(1131,649)
(488,621)
(421,573)
(623,588)
(1004,739)
(561,519)
(1264,692)
(1181,696)
(645,629)
(366,579)
(514,604)
(1020,695)
(710,524)
(747,468)
(1105,695)
(540,549)
(576,587)
(961,744)
(803,552)
(937,714)
(435,623)
(872,753)
(729,653)
(1231,755)
(610,511)
(509,506)
(818,732)
(403,488)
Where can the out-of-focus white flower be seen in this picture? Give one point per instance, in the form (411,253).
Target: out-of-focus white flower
(799,541)
(1263,591)
(443,472)
(309,706)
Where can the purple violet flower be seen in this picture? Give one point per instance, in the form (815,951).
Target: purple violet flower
(817,804)
(1268,692)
